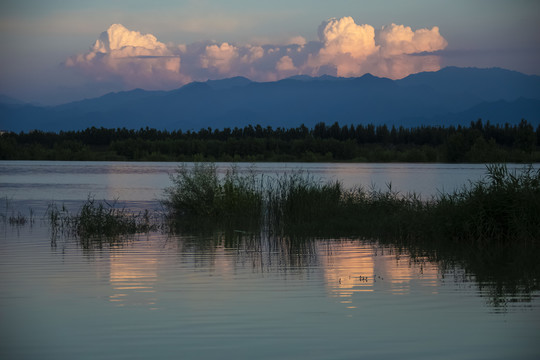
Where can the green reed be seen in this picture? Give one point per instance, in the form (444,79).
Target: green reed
(502,207)
(200,197)
(97,219)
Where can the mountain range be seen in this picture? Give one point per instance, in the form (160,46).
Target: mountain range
(450,96)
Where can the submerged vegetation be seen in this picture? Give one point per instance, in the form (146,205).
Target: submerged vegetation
(479,142)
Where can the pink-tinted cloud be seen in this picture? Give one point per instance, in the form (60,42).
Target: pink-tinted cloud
(138,60)
(344,48)
(399,40)
(285,64)
(219,57)
(354,49)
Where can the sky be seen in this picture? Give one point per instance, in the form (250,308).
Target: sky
(56,51)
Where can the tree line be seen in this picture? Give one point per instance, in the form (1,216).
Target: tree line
(478,142)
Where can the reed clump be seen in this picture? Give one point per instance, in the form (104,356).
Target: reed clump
(15,218)
(503,207)
(489,228)
(98,219)
(295,199)
(18,219)
(199,197)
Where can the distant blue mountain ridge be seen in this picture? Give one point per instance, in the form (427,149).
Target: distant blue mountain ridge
(450,96)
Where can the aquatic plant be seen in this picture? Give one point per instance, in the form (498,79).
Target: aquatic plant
(97,219)
(502,207)
(299,198)
(20,219)
(199,196)
(15,218)
(102,218)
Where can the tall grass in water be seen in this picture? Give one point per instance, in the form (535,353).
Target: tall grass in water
(9,216)
(199,197)
(97,220)
(297,198)
(503,207)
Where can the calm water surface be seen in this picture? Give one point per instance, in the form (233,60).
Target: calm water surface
(236,296)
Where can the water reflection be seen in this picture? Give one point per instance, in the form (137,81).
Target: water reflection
(132,277)
(223,251)
(354,268)
(347,268)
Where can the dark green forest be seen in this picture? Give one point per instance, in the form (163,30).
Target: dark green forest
(476,143)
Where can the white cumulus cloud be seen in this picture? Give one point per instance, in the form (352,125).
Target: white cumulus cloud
(219,57)
(117,37)
(393,51)
(399,40)
(344,48)
(344,37)
(138,60)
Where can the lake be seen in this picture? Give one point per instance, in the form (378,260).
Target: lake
(239,296)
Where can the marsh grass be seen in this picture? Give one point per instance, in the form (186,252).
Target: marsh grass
(16,218)
(295,199)
(19,219)
(199,198)
(98,220)
(502,208)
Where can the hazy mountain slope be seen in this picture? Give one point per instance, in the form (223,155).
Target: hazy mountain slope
(487,84)
(449,96)
(497,112)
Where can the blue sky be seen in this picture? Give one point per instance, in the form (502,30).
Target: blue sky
(38,37)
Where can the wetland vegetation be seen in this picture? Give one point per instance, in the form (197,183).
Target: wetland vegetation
(490,228)
(503,207)
(98,222)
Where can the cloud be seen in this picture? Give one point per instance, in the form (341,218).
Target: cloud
(344,48)
(393,51)
(285,64)
(344,37)
(219,57)
(134,59)
(297,40)
(399,40)
(254,53)
(117,38)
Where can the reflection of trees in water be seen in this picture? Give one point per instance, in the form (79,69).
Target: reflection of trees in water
(504,272)
(261,252)
(505,275)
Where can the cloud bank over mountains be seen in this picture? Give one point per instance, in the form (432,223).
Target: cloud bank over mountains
(344,48)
